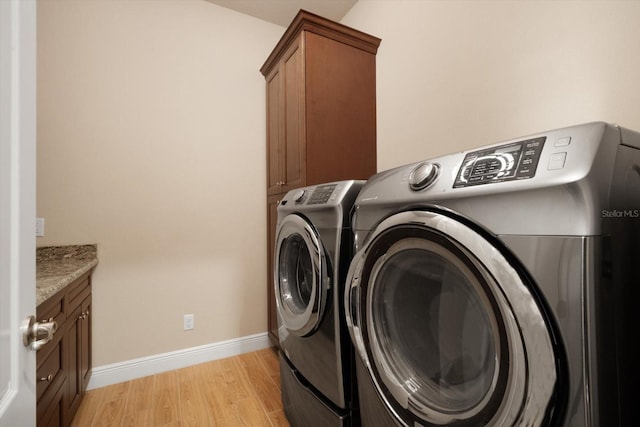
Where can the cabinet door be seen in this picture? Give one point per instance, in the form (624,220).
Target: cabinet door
(272,218)
(293,82)
(85,343)
(50,359)
(274,131)
(50,367)
(340,94)
(78,339)
(53,414)
(50,381)
(285,122)
(74,382)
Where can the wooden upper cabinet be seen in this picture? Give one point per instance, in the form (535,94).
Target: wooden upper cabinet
(321,115)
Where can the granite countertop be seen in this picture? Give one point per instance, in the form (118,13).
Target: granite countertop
(58,266)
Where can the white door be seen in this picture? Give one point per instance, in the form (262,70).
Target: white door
(17,209)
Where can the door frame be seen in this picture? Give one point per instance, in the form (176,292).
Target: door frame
(17,208)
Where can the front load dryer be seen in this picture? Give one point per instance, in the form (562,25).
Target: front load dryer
(312,254)
(498,286)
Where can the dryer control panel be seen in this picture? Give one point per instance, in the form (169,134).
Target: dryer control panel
(517,160)
(321,194)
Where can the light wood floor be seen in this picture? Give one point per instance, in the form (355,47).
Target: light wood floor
(237,391)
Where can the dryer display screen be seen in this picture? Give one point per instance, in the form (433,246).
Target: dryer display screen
(517,160)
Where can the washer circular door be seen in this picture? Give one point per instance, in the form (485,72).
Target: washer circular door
(301,281)
(446,327)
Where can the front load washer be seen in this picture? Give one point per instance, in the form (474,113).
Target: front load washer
(497,286)
(312,254)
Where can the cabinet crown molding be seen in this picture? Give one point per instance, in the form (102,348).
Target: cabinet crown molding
(307,21)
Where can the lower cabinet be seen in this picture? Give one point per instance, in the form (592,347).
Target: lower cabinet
(63,366)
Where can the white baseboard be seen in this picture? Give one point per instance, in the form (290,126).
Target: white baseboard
(102,376)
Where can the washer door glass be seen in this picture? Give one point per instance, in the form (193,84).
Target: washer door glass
(300,276)
(432,327)
(297,275)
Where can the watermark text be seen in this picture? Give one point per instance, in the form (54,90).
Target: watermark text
(615,213)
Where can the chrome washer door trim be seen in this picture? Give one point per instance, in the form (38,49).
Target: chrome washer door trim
(531,376)
(301,317)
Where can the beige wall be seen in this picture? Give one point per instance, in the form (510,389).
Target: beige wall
(457,74)
(151,143)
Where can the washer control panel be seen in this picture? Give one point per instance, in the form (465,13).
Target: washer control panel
(518,160)
(321,194)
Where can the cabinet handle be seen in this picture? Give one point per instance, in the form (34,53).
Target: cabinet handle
(48,378)
(84,315)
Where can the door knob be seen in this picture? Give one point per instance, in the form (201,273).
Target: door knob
(36,334)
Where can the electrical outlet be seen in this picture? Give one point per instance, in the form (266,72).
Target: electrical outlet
(39,227)
(188,322)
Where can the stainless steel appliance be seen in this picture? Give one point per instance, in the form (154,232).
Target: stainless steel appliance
(312,254)
(497,286)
